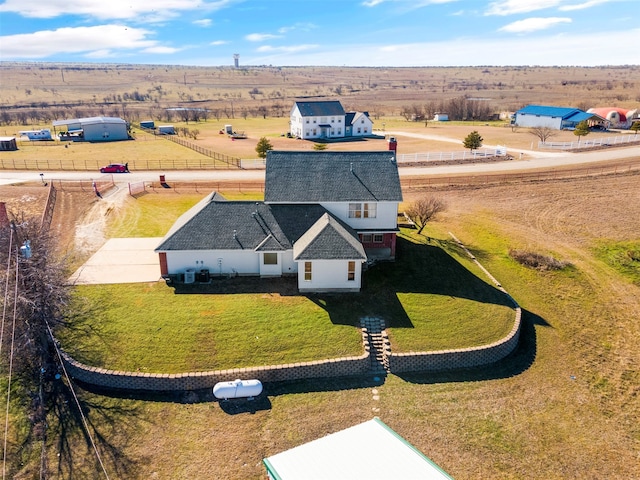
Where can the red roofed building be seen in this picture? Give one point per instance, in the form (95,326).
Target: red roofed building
(617,117)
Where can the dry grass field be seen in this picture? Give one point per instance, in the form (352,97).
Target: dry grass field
(143,91)
(565,405)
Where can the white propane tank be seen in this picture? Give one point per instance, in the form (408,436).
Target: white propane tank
(237,389)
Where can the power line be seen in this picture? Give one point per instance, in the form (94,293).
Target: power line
(75,397)
(13,335)
(6,288)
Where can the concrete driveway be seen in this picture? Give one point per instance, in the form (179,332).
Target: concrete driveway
(121,260)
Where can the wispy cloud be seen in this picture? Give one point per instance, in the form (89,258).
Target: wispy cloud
(406,3)
(218,42)
(511,7)
(260,37)
(154,11)
(286,49)
(205,22)
(161,50)
(97,41)
(533,24)
(305,27)
(582,6)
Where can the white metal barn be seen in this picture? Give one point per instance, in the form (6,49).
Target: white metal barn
(371,451)
(94,129)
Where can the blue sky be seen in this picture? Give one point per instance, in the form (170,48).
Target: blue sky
(322,32)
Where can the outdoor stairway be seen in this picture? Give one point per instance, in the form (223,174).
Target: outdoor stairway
(378,344)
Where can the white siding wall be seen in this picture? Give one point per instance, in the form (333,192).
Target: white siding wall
(300,127)
(242,262)
(296,122)
(105,132)
(362,126)
(538,121)
(329,275)
(270,270)
(288,265)
(386,216)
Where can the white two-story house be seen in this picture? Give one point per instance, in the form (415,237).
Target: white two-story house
(327,120)
(324,215)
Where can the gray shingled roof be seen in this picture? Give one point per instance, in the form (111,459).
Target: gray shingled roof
(313,177)
(237,225)
(328,239)
(320,109)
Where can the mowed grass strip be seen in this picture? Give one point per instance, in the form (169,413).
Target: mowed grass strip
(146,327)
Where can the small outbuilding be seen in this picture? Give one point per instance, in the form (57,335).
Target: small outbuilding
(8,144)
(370,450)
(166,130)
(617,117)
(441,117)
(37,135)
(94,129)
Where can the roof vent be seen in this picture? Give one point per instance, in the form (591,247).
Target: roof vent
(351,167)
(235,234)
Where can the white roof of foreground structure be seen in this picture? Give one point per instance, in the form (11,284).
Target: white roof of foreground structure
(88,121)
(370,450)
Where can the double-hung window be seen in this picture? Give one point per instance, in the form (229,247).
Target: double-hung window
(355,210)
(307,271)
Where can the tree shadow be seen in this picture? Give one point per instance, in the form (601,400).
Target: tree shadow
(101,424)
(520,360)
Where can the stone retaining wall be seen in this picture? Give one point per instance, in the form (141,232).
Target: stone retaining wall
(460,358)
(338,367)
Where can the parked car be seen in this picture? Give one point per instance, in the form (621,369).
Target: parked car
(115,168)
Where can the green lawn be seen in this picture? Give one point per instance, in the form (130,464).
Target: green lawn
(432,298)
(623,256)
(146,327)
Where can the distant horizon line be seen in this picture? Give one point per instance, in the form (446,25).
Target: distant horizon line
(233,67)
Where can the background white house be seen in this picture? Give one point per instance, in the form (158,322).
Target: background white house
(324,215)
(327,120)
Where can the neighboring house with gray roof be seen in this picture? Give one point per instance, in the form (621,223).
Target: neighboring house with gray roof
(327,120)
(325,214)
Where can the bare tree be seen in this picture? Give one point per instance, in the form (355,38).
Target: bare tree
(425,209)
(543,133)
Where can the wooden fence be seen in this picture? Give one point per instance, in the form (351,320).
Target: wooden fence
(230,161)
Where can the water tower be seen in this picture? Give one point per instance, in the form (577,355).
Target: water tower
(236,60)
